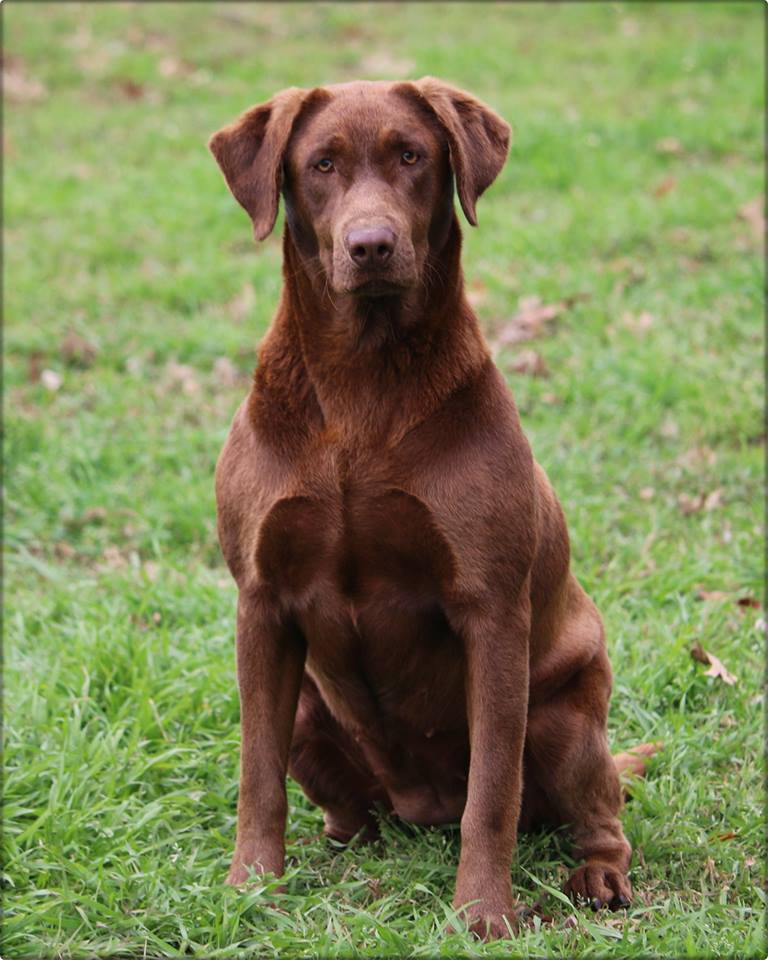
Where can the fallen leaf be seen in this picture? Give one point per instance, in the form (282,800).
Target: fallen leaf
(114,558)
(669,146)
(716,595)
(697,456)
(183,375)
(477,293)
(749,602)
(531,318)
(382,63)
(374,888)
(647,493)
(51,380)
(669,429)
(18,86)
(754,214)
(638,323)
(713,499)
(77,351)
(531,363)
(241,305)
(694,504)
(632,762)
(667,185)
(716,666)
(93,515)
(730,835)
(131,90)
(225,372)
(35,365)
(173,67)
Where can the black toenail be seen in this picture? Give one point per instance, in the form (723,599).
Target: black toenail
(623,901)
(596,904)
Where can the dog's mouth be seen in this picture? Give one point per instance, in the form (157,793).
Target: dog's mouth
(378,287)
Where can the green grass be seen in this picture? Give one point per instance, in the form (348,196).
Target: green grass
(121,737)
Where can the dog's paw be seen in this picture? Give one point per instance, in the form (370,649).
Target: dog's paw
(488,922)
(248,862)
(599,885)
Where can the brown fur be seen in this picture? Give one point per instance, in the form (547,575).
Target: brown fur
(409,635)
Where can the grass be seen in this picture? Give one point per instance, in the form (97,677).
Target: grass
(132,287)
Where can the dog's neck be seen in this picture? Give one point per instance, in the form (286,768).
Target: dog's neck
(367,369)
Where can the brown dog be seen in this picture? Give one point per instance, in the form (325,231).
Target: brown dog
(409,635)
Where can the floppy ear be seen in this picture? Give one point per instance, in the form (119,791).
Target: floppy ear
(250,153)
(478,138)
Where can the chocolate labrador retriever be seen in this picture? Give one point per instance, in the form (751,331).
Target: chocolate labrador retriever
(410,638)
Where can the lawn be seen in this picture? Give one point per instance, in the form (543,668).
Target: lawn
(134,299)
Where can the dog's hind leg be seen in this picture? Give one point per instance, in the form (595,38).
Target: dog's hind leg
(567,749)
(330,768)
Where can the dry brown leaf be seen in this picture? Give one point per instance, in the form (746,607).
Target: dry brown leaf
(667,185)
(716,666)
(35,365)
(730,835)
(638,323)
(749,602)
(701,501)
(477,293)
(669,146)
(77,351)
(633,762)
(713,499)
(241,305)
(181,374)
(754,214)
(698,456)
(382,63)
(93,515)
(63,550)
(669,429)
(529,362)
(173,67)
(531,319)
(18,86)
(131,89)
(715,595)
(225,372)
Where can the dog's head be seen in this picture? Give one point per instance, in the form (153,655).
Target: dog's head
(367,172)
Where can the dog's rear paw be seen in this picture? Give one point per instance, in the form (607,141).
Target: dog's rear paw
(600,885)
(344,828)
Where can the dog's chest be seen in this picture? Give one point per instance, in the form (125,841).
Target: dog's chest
(354,544)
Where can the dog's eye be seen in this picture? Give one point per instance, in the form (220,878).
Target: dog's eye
(324,166)
(409,157)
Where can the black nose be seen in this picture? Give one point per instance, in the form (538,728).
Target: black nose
(371,246)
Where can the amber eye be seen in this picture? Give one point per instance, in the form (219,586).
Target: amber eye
(325,165)
(409,157)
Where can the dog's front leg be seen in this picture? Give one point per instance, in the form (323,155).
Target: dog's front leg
(496,654)
(270,664)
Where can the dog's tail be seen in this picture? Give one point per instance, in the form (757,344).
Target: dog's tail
(633,762)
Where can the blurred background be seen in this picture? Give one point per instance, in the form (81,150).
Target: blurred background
(617,270)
